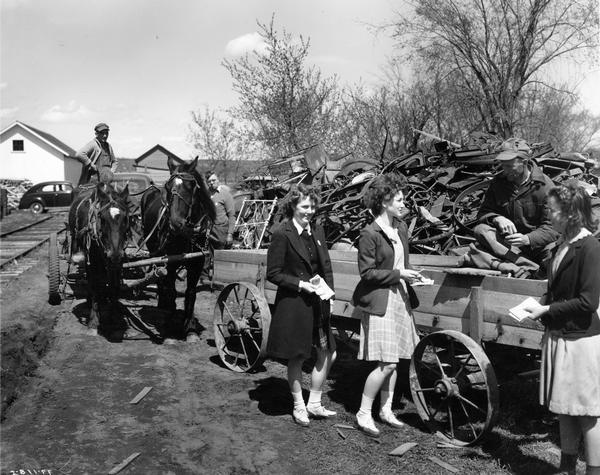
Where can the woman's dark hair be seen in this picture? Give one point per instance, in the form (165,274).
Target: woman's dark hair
(383,188)
(295,195)
(575,205)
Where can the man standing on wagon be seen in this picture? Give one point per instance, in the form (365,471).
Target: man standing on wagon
(514,218)
(97,157)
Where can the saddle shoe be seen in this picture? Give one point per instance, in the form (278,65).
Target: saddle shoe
(319,412)
(300,416)
(390,419)
(367,425)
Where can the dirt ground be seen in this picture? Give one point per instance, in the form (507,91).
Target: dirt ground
(66,393)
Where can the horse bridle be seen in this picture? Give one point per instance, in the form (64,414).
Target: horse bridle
(175,193)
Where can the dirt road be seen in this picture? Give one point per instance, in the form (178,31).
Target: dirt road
(72,414)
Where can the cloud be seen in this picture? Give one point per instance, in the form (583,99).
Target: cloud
(3,85)
(71,112)
(245,44)
(7,112)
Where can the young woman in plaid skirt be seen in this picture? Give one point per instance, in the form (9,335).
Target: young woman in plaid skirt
(383,298)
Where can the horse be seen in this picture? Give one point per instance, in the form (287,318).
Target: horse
(171,219)
(99,227)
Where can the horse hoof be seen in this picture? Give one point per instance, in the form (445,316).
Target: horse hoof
(192,338)
(169,341)
(92,332)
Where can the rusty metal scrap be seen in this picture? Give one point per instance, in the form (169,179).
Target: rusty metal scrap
(445,188)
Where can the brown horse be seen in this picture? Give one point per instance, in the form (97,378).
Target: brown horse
(99,226)
(171,218)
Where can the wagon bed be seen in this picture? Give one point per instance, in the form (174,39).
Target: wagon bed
(452,381)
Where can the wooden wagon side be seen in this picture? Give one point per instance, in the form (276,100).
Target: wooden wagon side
(474,305)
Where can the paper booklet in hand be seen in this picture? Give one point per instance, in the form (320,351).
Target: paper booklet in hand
(321,287)
(518,312)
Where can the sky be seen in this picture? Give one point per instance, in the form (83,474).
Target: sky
(142,66)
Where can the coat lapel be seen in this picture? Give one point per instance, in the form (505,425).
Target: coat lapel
(321,245)
(566,261)
(297,245)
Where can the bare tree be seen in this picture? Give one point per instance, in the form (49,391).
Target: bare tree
(290,104)
(496,48)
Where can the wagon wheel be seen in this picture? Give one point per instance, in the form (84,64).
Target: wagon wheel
(53,271)
(241,326)
(467,204)
(454,387)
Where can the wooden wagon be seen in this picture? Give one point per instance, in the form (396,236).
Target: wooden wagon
(452,381)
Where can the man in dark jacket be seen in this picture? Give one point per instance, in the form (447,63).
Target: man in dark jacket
(97,157)
(514,218)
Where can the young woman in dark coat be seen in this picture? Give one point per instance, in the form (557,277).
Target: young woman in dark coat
(301,319)
(570,373)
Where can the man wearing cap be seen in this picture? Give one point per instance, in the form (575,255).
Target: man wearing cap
(97,156)
(514,219)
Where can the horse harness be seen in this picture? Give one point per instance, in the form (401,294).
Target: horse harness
(163,222)
(90,231)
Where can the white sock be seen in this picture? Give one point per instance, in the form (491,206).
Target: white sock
(366,404)
(314,398)
(386,400)
(298,400)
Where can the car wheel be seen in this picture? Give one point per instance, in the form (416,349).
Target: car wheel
(36,207)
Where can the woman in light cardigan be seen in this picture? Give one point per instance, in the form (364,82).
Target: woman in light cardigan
(384,299)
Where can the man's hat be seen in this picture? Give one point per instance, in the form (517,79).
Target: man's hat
(511,155)
(100,127)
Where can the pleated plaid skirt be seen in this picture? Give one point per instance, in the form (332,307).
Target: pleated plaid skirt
(390,337)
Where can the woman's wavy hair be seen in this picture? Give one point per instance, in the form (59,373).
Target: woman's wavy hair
(576,205)
(295,195)
(383,188)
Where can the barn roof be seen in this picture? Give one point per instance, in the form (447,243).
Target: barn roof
(44,136)
(161,149)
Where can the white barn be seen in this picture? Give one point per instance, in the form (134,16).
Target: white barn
(29,153)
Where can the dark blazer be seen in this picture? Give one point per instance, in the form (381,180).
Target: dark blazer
(574,290)
(376,268)
(290,333)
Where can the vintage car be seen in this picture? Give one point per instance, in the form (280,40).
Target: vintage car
(46,195)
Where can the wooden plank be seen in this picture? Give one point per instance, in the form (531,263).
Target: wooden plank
(475,314)
(141,395)
(512,336)
(432,322)
(124,463)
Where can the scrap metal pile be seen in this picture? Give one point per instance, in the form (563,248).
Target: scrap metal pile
(445,190)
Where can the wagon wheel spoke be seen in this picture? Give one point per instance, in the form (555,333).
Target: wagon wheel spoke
(425,390)
(228,311)
(451,420)
(472,404)
(244,349)
(468,419)
(428,367)
(464,365)
(253,342)
(437,359)
(452,355)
